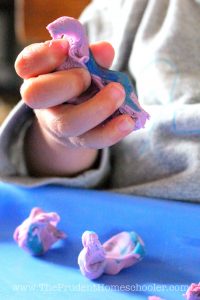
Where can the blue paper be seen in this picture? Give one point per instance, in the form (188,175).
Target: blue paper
(169,229)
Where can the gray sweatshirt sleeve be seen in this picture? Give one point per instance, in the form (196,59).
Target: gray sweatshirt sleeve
(12,163)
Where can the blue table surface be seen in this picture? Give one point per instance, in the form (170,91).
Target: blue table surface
(169,229)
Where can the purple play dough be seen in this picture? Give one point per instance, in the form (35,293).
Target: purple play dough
(79,55)
(111,257)
(193,292)
(44,232)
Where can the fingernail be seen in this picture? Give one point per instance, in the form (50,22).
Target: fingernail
(117,91)
(64,44)
(60,44)
(23,87)
(126,125)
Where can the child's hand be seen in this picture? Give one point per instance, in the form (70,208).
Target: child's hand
(45,91)
(65,134)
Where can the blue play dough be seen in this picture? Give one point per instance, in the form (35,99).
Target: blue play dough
(139,249)
(107,76)
(34,244)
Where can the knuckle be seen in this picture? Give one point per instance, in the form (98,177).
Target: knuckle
(78,141)
(60,127)
(52,124)
(63,127)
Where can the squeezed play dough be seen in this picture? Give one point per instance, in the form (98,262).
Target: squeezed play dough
(121,251)
(193,292)
(79,55)
(38,232)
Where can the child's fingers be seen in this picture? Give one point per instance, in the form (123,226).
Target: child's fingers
(103,53)
(41,58)
(107,135)
(74,120)
(54,88)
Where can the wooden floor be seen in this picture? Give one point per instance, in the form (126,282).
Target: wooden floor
(32,16)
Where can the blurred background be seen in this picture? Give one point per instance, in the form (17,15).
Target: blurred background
(23,22)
